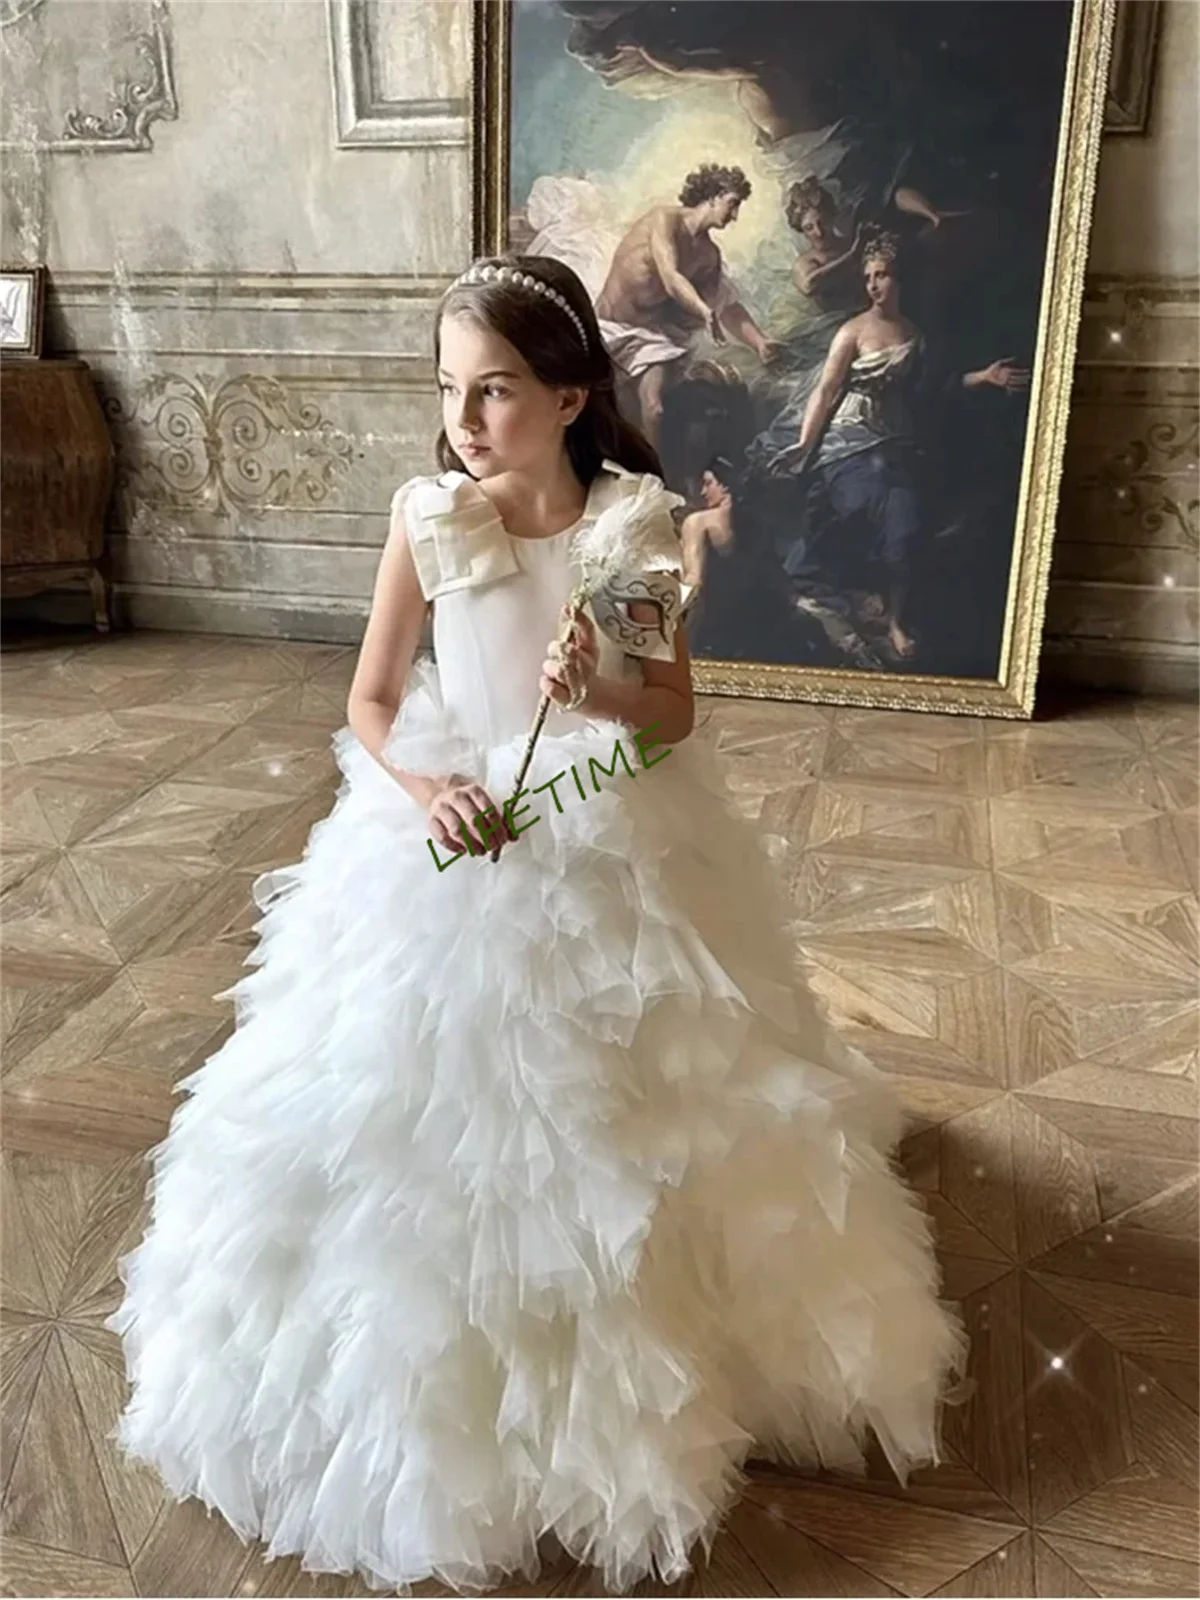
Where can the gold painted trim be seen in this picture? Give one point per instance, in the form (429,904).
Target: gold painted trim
(1062,303)
(1011,694)
(1180,289)
(490,150)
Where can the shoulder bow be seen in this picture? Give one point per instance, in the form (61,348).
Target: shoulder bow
(458,539)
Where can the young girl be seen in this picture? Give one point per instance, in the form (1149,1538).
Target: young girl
(529,1195)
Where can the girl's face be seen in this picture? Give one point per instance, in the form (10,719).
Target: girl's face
(498,416)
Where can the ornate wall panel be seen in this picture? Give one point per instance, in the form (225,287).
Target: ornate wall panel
(1131,72)
(400,68)
(86,78)
(1124,603)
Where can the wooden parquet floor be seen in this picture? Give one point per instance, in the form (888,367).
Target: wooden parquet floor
(1003,915)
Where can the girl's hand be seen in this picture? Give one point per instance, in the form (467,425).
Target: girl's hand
(453,807)
(569,668)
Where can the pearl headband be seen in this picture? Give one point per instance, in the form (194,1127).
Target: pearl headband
(479,275)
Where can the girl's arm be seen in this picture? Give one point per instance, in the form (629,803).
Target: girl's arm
(389,644)
(664,697)
(454,803)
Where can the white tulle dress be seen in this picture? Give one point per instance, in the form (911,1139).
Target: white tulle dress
(526,1198)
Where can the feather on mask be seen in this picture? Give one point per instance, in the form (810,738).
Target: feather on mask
(630,553)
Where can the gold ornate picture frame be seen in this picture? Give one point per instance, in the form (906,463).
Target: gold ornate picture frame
(914,188)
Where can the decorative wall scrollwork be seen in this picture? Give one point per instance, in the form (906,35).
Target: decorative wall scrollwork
(1148,482)
(13,10)
(136,101)
(241,444)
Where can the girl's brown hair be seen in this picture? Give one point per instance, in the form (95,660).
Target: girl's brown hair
(549,341)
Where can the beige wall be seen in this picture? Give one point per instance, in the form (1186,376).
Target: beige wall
(1148,190)
(255,298)
(1124,605)
(255,301)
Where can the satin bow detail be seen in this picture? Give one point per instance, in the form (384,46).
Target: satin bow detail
(458,540)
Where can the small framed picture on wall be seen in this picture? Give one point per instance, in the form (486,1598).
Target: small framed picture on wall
(22,301)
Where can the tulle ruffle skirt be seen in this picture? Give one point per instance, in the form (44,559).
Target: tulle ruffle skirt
(526,1198)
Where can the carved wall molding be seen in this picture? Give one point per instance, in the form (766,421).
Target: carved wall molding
(314,322)
(13,10)
(364,115)
(300,290)
(247,443)
(1131,70)
(1143,320)
(1132,471)
(137,100)
(1124,601)
(1131,299)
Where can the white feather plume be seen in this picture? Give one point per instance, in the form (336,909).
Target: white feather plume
(629,553)
(628,536)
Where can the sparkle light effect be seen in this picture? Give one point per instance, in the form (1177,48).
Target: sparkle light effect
(1050,1365)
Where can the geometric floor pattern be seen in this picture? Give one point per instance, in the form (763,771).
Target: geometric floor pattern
(1004,916)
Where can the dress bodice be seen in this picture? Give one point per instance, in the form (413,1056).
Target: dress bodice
(489,643)
(497,602)
(876,405)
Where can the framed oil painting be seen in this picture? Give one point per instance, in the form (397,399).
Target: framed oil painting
(836,249)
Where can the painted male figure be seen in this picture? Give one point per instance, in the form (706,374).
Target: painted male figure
(667,282)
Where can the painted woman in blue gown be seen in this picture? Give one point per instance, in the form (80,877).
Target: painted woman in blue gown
(849,438)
